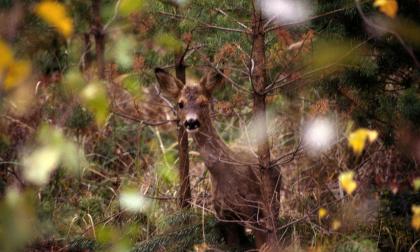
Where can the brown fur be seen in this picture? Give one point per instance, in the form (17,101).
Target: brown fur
(234,175)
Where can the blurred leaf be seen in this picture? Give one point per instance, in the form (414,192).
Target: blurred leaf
(54,150)
(40,164)
(95,99)
(6,55)
(416,184)
(73,81)
(331,54)
(322,213)
(388,7)
(55,14)
(134,202)
(169,42)
(124,51)
(165,169)
(17,72)
(132,84)
(335,225)
(415,221)
(17,220)
(73,157)
(357,139)
(346,182)
(129,6)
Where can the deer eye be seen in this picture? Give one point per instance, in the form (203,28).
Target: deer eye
(181,105)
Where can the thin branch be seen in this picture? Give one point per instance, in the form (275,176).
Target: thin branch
(234,19)
(384,29)
(234,83)
(304,21)
(272,88)
(147,123)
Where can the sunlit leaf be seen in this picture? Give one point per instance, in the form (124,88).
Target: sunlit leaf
(416,184)
(388,7)
(40,164)
(16,72)
(129,6)
(133,201)
(335,225)
(6,55)
(123,51)
(415,221)
(54,150)
(347,182)
(322,213)
(55,14)
(95,99)
(357,139)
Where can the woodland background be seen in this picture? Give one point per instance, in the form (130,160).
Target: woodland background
(89,151)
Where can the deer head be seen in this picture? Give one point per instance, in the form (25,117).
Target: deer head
(193,99)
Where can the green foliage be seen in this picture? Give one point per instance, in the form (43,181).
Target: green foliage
(395,217)
(182,231)
(80,119)
(410,106)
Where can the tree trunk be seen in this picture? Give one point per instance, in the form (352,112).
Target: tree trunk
(184,164)
(258,77)
(99,35)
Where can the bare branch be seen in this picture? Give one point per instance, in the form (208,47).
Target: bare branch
(147,123)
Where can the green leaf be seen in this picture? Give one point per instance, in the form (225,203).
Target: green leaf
(129,6)
(416,184)
(168,42)
(95,99)
(132,84)
(124,51)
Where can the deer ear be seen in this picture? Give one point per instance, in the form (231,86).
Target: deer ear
(167,83)
(211,81)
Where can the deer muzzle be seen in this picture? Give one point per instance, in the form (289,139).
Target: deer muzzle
(192,124)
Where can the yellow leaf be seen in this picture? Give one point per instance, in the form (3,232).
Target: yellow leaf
(416,184)
(388,7)
(346,181)
(357,139)
(16,72)
(322,212)
(6,56)
(415,209)
(335,225)
(55,14)
(415,221)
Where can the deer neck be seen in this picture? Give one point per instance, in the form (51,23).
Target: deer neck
(212,148)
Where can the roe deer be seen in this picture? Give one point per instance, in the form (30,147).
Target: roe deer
(235,176)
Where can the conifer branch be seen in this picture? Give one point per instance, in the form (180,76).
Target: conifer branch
(204,24)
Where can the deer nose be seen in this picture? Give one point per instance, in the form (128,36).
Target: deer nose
(192,124)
